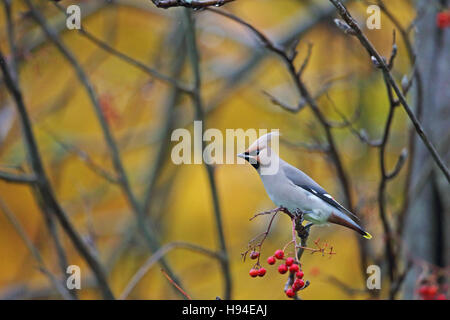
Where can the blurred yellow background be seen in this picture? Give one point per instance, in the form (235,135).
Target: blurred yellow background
(182,208)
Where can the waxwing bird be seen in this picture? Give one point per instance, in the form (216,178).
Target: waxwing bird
(290,188)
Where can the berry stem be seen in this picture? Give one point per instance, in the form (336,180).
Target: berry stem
(294,238)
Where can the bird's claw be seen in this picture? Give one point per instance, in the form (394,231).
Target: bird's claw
(303,231)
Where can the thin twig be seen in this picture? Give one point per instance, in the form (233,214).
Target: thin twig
(143,67)
(154,258)
(306,95)
(43,186)
(173,99)
(391,256)
(176,285)
(11,38)
(199,116)
(85,158)
(194,4)
(417,76)
(34,251)
(345,14)
(145,227)
(17,178)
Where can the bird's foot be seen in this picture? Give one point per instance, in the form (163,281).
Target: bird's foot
(299,215)
(303,231)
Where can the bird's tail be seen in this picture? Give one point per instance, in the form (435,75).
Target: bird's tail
(367,235)
(343,220)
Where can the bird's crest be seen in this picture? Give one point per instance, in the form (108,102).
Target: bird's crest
(264,141)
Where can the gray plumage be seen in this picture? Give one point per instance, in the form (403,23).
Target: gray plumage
(291,188)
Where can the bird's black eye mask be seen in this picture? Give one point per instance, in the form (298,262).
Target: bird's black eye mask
(255,164)
(253,153)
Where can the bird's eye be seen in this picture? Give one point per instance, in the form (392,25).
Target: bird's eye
(257,152)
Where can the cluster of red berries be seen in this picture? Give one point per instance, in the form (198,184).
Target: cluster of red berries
(289,265)
(431,292)
(443,19)
(256,272)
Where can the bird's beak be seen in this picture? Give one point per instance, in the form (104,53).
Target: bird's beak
(242,155)
(248,157)
(245,155)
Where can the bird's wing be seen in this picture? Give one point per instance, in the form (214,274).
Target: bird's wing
(302,180)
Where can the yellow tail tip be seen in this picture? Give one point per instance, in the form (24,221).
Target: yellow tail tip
(367,236)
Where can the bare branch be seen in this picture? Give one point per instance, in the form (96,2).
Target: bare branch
(393,52)
(284,105)
(173,99)
(11,37)
(265,40)
(389,247)
(188,297)
(194,4)
(43,186)
(17,178)
(199,115)
(144,226)
(302,24)
(34,251)
(399,165)
(84,157)
(406,86)
(348,123)
(306,61)
(105,46)
(373,53)
(306,95)
(154,258)
(344,27)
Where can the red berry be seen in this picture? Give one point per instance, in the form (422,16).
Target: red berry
(290,293)
(423,290)
(300,283)
(253,273)
(254,255)
(282,268)
(443,20)
(432,290)
(294,268)
(300,274)
(296,286)
(289,261)
(261,272)
(279,254)
(441,297)
(271,260)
